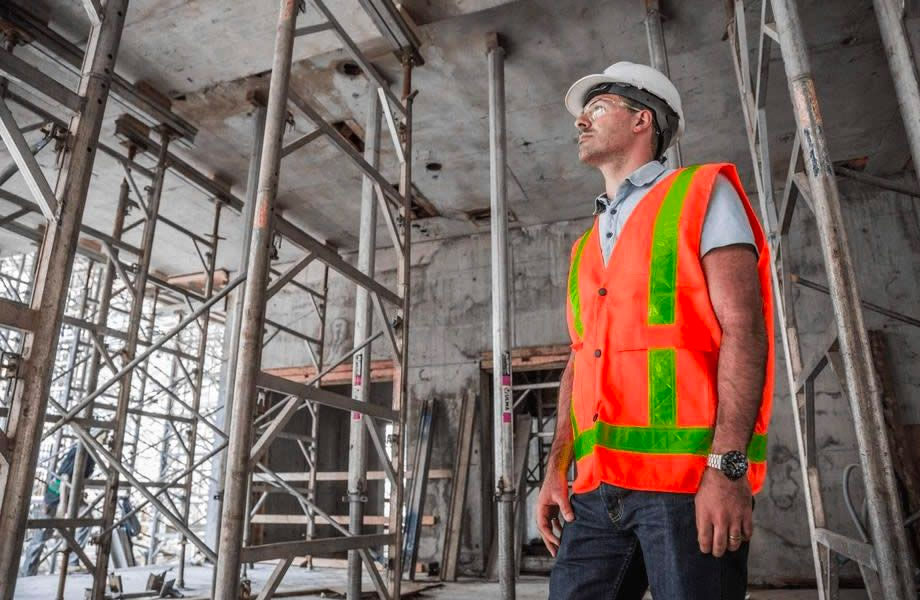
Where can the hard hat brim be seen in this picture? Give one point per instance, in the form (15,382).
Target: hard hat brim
(574,98)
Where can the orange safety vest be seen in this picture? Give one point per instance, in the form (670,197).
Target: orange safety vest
(646,344)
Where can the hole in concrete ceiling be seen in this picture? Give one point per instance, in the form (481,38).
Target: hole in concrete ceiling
(434,167)
(349,68)
(422,208)
(481,216)
(350,132)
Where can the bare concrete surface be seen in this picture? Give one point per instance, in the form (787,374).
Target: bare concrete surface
(319,583)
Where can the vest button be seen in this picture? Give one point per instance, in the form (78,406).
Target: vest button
(597,353)
(602,291)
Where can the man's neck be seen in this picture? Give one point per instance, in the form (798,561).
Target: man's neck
(616,171)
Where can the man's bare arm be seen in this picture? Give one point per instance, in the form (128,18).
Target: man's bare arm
(562,450)
(554,493)
(734,290)
(723,507)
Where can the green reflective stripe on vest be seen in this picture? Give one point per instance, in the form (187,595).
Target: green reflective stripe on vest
(662,386)
(662,282)
(658,440)
(572,418)
(573,285)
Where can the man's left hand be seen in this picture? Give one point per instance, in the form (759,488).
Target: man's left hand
(723,513)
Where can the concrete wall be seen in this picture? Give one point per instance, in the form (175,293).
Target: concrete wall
(451,328)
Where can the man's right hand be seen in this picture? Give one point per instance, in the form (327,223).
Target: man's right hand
(552,503)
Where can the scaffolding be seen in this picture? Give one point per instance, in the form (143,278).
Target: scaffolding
(114,348)
(883,554)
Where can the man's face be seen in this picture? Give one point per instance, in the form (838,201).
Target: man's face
(605,129)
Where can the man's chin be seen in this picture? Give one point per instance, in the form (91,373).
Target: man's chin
(589,158)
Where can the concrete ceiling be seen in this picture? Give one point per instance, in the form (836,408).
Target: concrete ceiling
(209,54)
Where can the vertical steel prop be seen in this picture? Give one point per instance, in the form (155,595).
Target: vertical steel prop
(360,377)
(200,357)
(55,262)
(885,518)
(501,329)
(110,501)
(658,55)
(235,316)
(236,476)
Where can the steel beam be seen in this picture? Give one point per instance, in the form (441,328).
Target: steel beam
(318,546)
(331,258)
(320,396)
(54,265)
(15,68)
(71,54)
(236,476)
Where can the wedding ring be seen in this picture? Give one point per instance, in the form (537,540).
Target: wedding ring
(735,538)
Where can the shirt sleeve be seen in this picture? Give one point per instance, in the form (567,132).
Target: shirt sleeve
(726,221)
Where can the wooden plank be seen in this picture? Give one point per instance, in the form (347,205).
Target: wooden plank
(381,370)
(907,473)
(532,358)
(454,529)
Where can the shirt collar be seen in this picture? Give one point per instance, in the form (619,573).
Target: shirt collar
(642,176)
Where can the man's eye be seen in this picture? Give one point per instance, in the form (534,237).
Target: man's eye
(597,111)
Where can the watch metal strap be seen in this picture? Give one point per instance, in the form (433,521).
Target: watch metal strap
(714,461)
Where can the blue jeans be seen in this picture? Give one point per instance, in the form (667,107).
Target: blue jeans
(623,541)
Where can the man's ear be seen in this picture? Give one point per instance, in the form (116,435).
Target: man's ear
(643,121)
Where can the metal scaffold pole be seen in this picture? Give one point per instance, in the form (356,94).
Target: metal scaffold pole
(883,556)
(137,289)
(235,311)
(501,329)
(236,477)
(52,277)
(360,378)
(201,356)
(658,55)
(890,15)
(95,362)
(403,242)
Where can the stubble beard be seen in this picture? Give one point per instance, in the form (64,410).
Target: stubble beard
(592,155)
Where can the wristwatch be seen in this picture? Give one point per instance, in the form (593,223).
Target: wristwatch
(733,464)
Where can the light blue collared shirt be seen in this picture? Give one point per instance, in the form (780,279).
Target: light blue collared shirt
(725,223)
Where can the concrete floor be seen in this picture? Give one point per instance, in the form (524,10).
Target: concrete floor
(318,583)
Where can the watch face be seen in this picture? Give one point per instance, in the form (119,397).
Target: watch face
(734,465)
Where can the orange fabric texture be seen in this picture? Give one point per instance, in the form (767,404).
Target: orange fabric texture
(646,344)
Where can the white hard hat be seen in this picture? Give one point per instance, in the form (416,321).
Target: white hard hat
(627,76)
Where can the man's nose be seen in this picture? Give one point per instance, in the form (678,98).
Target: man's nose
(582,123)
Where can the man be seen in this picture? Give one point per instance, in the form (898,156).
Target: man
(51,507)
(665,401)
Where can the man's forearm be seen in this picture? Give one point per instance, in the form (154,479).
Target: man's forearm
(562,451)
(741,372)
